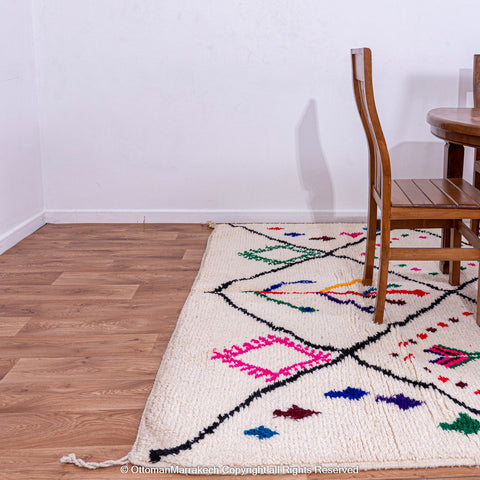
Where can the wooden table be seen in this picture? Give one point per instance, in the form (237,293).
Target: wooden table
(459,127)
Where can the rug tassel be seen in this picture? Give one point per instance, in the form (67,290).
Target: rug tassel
(72,458)
(211,224)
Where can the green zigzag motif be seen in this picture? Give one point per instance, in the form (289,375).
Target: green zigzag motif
(304,253)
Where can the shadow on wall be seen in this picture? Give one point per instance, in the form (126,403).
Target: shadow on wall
(419,159)
(314,175)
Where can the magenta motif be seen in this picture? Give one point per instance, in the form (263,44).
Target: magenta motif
(231,356)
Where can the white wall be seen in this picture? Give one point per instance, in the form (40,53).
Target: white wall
(21,197)
(190,110)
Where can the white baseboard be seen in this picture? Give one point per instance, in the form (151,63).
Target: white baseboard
(19,232)
(203,216)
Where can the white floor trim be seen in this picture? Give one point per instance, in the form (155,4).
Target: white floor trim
(19,232)
(202,216)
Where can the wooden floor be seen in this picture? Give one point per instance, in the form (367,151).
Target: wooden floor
(86,313)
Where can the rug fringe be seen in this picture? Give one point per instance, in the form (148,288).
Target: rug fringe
(72,458)
(211,224)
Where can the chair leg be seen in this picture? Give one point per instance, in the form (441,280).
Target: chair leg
(454,269)
(474,226)
(477,314)
(371,239)
(476,181)
(383,273)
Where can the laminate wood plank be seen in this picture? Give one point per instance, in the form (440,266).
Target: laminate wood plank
(152,254)
(85,311)
(173,279)
(28,278)
(82,369)
(139,323)
(24,265)
(110,311)
(26,246)
(64,346)
(398,197)
(457,195)
(144,265)
(436,196)
(174,295)
(61,428)
(64,292)
(195,236)
(6,366)
(413,193)
(130,244)
(17,310)
(45,256)
(111,394)
(10,326)
(195,254)
(127,239)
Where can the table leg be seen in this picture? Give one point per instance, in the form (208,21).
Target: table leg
(476,182)
(452,168)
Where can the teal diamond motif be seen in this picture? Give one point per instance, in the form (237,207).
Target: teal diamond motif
(303,253)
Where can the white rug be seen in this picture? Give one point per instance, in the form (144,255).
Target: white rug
(276,361)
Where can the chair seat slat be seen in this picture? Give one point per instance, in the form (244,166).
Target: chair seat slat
(416,196)
(398,197)
(434,194)
(468,189)
(452,191)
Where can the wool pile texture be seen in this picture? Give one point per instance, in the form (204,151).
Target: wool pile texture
(276,360)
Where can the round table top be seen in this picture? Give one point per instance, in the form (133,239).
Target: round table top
(457,125)
(459,120)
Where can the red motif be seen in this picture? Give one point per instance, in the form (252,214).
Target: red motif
(295,412)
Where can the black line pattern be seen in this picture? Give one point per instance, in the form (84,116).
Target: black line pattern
(343,353)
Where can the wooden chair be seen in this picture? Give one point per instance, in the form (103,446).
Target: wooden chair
(436,203)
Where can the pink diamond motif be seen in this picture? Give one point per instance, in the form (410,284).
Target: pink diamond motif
(231,356)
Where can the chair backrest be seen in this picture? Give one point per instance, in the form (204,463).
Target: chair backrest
(476,81)
(379,159)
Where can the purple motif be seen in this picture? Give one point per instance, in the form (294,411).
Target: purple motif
(400,400)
